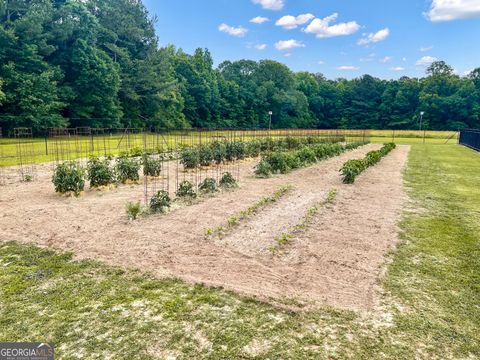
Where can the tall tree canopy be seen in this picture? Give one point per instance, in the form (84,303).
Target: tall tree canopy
(98,63)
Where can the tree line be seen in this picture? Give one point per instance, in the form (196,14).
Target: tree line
(98,63)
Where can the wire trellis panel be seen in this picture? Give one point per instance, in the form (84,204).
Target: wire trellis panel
(25,154)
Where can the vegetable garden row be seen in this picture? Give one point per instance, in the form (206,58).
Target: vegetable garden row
(352,168)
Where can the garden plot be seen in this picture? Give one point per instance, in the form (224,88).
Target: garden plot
(95,226)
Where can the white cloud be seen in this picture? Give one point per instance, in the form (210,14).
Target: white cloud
(288,54)
(347,68)
(259,20)
(398,68)
(234,31)
(426,60)
(261,46)
(271,4)
(321,62)
(374,37)
(425,48)
(290,22)
(288,44)
(448,10)
(322,29)
(386,59)
(404,59)
(368,59)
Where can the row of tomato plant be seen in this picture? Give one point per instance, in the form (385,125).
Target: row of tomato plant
(161,201)
(69,177)
(218,152)
(285,161)
(352,168)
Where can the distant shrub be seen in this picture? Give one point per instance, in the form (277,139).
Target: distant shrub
(185,190)
(127,169)
(160,202)
(99,172)
(208,186)
(69,178)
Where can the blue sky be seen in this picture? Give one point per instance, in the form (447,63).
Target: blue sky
(339,38)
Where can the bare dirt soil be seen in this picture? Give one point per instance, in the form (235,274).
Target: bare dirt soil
(336,260)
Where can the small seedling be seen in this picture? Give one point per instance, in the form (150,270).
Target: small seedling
(134,210)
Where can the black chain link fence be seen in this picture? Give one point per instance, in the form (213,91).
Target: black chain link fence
(470,138)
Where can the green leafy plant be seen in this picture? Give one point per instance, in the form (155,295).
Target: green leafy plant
(205,155)
(69,178)
(228,181)
(99,172)
(190,158)
(133,210)
(160,202)
(127,169)
(306,155)
(151,166)
(136,151)
(185,190)
(219,150)
(351,169)
(208,186)
(278,162)
(263,169)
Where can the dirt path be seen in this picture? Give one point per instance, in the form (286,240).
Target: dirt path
(335,262)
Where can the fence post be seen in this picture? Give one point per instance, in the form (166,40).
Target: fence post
(46,145)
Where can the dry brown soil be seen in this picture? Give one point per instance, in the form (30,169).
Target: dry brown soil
(336,260)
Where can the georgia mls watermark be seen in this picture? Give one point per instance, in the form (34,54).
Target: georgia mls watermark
(26,351)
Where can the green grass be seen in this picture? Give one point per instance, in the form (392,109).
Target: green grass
(431,309)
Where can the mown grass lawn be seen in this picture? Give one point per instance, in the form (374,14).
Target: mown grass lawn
(431,308)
